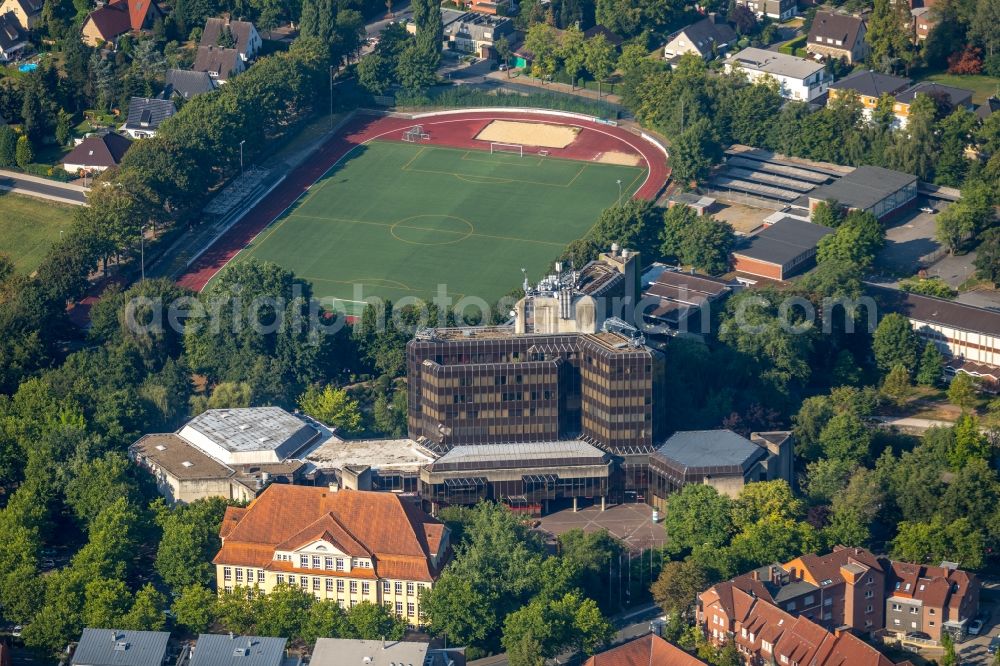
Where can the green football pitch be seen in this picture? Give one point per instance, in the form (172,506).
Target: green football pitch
(397,220)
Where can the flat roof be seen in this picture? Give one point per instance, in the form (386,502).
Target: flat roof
(180,458)
(222,649)
(692,450)
(784,241)
(404,455)
(512,456)
(773,62)
(100,647)
(864,187)
(252,428)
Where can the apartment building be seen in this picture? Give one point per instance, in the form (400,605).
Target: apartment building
(799,79)
(839,36)
(350,546)
(780,10)
(931,600)
(869,87)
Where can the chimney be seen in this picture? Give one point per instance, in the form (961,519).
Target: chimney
(755,574)
(333,487)
(231,637)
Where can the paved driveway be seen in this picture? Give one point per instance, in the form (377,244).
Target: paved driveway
(973,650)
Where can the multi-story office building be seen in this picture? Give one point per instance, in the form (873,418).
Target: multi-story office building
(488,385)
(350,546)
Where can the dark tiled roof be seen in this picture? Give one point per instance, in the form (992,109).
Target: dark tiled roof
(124,648)
(223,649)
(215,59)
(99,151)
(10,32)
(706,32)
(784,241)
(955,96)
(939,311)
(612,38)
(836,26)
(112,19)
(187,84)
(31,7)
(871,84)
(147,114)
(213,28)
(988,108)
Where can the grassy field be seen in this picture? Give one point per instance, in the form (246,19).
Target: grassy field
(28,227)
(981,86)
(396,220)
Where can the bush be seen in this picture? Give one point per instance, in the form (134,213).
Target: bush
(928,287)
(991,65)
(793,46)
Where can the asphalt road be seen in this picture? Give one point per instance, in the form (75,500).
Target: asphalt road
(401,11)
(23,186)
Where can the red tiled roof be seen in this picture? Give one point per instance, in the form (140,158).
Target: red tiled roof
(644,651)
(111,20)
(400,537)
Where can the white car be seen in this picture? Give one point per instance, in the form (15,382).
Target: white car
(928,210)
(975,627)
(502,68)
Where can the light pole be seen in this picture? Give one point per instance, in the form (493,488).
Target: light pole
(619,181)
(142,251)
(241,159)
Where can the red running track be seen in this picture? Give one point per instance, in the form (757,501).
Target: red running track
(454,129)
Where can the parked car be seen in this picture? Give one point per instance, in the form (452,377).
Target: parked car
(919,635)
(994,645)
(16,632)
(975,627)
(48,564)
(928,210)
(502,67)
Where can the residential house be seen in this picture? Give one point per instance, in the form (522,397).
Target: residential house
(231,453)
(869,86)
(931,600)
(799,79)
(779,10)
(96,153)
(881,192)
(231,650)
(337,651)
(764,633)
(840,36)
(649,649)
(475,32)
(221,64)
(780,250)
(12,40)
(988,108)
(115,647)
(349,545)
(612,38)
(186,84)
(145,116)
(923,22)
(240,35)
(850,583)
(968,337)
(108,22)
(719,458)
(706,39)
(946,96)
(28,12)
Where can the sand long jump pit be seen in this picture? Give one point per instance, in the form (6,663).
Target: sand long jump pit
(542,135)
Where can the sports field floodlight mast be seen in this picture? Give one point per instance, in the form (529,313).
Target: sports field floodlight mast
(619,191)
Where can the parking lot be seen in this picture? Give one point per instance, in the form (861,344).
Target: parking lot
(975,648)
(909,242)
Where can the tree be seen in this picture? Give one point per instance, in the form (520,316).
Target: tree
(8,146)
(897,384)
(985,27)
(25,154)
(542,43)
(417,68)
(846,437)
(936,540)
(375,73)
(332,406)
(895,343)
(856,241)
(525,651)
(962,391)
(97,483)
(190,540)
(970,443)
(828,213)
(764,500)
(572,622)
(600,57)
(987,260)
(696,516)
(504,51)
(64,127)
(891,49)
(694,152)
(826,478)
(931,363)
(283,611)
(572,53)
(194,608)
(678,586)
(325,619)
(855,509)
(371,622)
(632,224)
(632,56)
(146,613)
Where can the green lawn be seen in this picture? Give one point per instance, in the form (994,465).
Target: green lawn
(982,86)
(396,220)
(28,227)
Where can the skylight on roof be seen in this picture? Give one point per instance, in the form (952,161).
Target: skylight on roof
(160,447)
(187,463)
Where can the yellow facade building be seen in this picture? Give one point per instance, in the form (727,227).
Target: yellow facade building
(349,546)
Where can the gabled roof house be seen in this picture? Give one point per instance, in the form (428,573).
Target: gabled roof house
(109,22)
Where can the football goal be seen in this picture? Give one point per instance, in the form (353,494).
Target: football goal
(512,148)
(415,133)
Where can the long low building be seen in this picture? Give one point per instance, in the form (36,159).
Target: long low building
(525,477)
(781,250)
(968,335)
(872,189)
